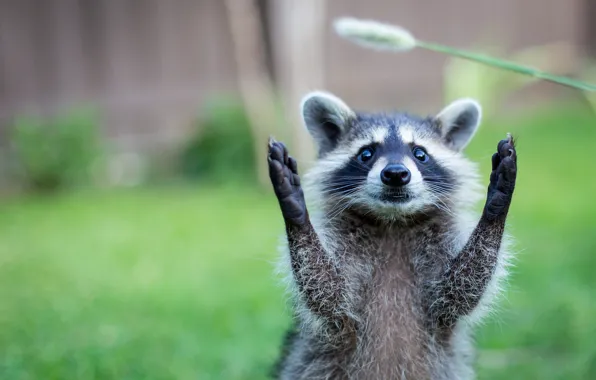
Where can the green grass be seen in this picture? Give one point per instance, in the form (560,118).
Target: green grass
(156,284)
(177,283)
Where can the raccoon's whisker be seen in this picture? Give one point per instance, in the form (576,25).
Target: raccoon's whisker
(441,193)
(440,190)
(340,196)
(339,186)
(443,208)
(442,196)
(441,205)
(337,210)
(437,193)
(441,180)
(352,180)
(339,189)
(439,199)
(352,177)
(341,205)
(343,194)
(347,205)
(334,185)
(437,178)
(358,165)
(335,215)
(440,186)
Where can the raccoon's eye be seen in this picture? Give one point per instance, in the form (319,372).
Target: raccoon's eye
(366,154)
(420,154)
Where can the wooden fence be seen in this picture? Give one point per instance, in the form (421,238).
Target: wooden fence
(150,64)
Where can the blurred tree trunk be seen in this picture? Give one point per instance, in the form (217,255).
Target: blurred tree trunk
(299,35)
(255,83)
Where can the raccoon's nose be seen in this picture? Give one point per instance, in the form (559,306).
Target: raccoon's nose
(395,175)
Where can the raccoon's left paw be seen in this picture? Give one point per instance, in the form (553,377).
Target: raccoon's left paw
(502,179)
(283,171)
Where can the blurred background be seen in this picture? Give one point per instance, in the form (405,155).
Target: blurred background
(138,233)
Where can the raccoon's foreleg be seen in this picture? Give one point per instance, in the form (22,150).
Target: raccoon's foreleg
(472,269)
(317,277)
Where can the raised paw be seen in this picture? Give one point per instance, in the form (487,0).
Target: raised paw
(502,179)
(283,171)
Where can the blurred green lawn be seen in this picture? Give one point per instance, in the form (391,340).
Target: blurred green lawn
(177,283)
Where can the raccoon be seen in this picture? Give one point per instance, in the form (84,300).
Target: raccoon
(389,268)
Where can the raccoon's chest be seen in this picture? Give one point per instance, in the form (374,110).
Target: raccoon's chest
(392,338)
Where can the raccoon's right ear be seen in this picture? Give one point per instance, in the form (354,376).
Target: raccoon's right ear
(326,117)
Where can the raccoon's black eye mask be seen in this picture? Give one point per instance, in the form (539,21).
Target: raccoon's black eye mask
(366,154)
(420,154)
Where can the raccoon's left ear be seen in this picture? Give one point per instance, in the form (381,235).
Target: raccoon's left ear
(458,122)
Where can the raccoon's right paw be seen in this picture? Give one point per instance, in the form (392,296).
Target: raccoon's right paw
(502,179)
(283,171)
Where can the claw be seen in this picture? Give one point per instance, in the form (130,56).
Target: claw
(271,141)
(510,140)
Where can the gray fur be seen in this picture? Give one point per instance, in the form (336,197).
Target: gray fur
(389,291)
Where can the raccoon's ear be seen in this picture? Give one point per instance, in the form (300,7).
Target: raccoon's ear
(458,122)
(326,117)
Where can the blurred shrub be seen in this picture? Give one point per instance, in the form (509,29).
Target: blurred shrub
(221,147)
(57,152)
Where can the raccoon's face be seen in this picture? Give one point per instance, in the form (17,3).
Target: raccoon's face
(390,165)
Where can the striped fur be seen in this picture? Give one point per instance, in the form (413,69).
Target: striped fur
(413,272)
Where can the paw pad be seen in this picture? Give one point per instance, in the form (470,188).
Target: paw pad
(283,171)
